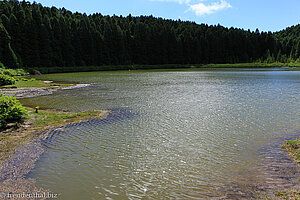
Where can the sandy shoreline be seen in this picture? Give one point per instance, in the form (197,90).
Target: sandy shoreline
(29,92)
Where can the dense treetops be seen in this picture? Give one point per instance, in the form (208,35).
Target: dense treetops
(32,35)
(290,42)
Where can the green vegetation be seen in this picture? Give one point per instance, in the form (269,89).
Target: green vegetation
(288,194)
(290,44)
(7,75)
(6,80)
(46,70)
(46,118)
(13,72)
(293,148)
(23,82)
(252,65)
(11,111)
(17,78)
(62,41)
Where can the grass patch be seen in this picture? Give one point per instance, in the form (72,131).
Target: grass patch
(21,83)
(50,118)
(288,194)
(293,149)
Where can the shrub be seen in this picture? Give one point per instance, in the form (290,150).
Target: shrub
(6,80)
(21,72)
(9,72)
(14,72)
(11,110)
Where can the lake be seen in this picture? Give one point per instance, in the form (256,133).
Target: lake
(185,134)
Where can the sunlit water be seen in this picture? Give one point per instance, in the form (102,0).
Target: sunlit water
(172,134)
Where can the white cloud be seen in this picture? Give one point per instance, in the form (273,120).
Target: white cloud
(202,9)
(176,1)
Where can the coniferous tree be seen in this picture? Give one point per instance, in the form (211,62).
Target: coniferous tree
(7,55)
(36,36)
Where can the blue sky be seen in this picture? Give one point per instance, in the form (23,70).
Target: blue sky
(266,15)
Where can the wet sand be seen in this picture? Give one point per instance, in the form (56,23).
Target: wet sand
(14,169)
(35,92)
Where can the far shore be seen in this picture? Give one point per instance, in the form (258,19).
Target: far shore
(49,70)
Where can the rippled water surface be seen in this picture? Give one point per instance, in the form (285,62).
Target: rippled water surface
(172,134)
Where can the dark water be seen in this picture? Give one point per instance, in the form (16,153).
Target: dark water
(172,134)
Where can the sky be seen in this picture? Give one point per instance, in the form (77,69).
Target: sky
(266,15)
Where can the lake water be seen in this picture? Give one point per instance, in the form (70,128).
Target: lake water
(172,134)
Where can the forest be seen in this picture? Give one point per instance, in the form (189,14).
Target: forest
(32,35)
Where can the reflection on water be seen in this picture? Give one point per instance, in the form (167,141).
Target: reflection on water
(172,134)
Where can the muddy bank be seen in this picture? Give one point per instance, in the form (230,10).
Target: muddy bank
(29,92)
(14,169)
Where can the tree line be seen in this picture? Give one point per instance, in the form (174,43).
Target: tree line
(32,35)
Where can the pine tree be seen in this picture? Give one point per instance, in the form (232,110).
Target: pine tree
(7,55)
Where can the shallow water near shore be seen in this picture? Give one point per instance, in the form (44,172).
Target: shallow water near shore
(172,134)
